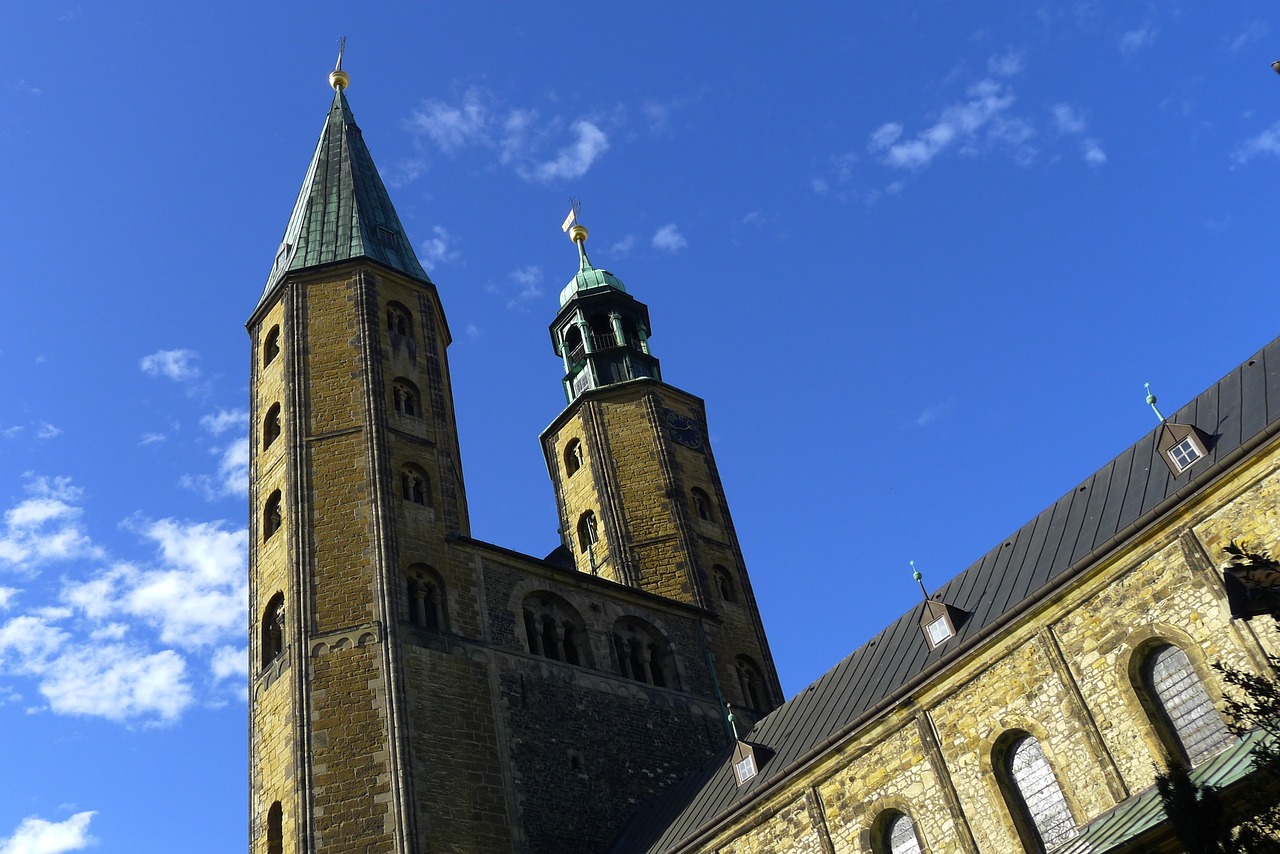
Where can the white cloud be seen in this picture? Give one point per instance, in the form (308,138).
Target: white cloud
(224,419)
(473,331)
(1135,40)
(884,136)
(114,681)
(6,595)
(573,160)
(669,239)
(232,477)
(979,120)
(230,661)
(151,438)
(12,432)
(1066,119)
(45,527)
(519,136)
(452,127)
(1006,64)
(1267,142)
(624,246)
(197,594)
(1093,153)
(47,431)
(530,281)
(24,87)
(178,365)
(435,250)
(38,836)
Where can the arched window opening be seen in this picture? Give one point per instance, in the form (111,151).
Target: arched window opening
(1184,705)
(897,835)
(272,516)
(602,334)
(271,346)
(399,321)
(554,630)
(272,630)
(751,684)
(415,485)
(724,583)
(572,457)
(644,654)
(574,351)
(588,531)
(427,604)
(1036,795)
(405,398)
(702,505)
(271,426)
(275,829)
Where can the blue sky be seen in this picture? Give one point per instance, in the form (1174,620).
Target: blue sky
(919,258)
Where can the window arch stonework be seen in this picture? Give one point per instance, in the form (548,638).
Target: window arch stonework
(271,346)
(272,515)
(1180,707)
(702,505)
(554,629)
(588,531)
(415,485)
(272,630)
(271,426)
(1032,792)
(405,398)
(428,606)
(573,457)
(896,834)
(643,654)
(723,579)
(751,685)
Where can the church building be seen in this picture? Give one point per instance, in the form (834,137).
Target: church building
(416,689)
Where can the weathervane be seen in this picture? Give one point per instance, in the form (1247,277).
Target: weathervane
(338,78)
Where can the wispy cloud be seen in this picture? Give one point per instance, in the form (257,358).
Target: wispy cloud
(437,249)
(1254,32)
(151,438)
(232,477)
(623,247)
(24,88)
(1266,142)
(934,413)
(1006,64)
(981,120)
(669,239)
(534,147)
(223,420)
(45,430)
(1143,37)
(35,835)
(1068,121)
(177,365)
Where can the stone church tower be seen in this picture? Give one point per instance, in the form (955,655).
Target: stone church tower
(414,689)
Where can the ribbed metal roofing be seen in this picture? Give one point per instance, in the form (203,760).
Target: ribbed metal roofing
(1238,413)
(343,210)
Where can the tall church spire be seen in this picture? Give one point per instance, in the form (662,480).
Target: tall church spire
(343,211)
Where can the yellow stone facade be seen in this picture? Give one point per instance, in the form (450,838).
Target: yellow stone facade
(1064,671)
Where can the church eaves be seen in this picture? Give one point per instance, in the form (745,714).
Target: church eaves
(343,211)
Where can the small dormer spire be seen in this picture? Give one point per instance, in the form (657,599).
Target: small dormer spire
(1151,401)
(339,79)
(919,579)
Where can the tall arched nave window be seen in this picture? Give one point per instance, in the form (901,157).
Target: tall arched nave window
(1187,714)
(1035,795)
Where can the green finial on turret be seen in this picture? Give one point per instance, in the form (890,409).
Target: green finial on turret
(1151,401)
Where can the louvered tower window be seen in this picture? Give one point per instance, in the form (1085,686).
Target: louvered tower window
(900,836)
(1185,704)
(1041,797)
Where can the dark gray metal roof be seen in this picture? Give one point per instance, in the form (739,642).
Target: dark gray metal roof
(343,210)
(1237,413)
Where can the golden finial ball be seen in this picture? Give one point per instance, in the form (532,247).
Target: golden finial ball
(339,79)
(578,234)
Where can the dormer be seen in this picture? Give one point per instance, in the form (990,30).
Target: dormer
(1180,446)
(939,622)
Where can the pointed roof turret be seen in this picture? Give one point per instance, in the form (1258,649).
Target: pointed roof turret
(343,211)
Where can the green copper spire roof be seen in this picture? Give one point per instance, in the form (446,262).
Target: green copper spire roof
(588,276)
(343,211)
